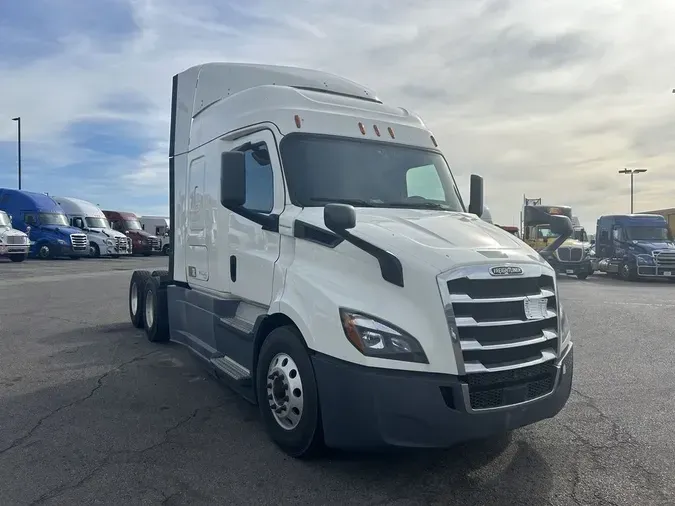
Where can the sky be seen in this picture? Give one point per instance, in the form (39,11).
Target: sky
(547,99)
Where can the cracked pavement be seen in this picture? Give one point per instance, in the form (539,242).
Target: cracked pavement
(92,413)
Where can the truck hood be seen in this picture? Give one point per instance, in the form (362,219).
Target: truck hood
(140,233)
(62,229)
(10,232)
(439,238)
(649,246)
(108,232)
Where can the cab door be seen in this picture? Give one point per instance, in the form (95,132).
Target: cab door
(253,232)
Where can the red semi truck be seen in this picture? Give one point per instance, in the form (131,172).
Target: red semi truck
(142,242)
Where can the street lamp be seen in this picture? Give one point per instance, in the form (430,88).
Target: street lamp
(632,173)
(18,142)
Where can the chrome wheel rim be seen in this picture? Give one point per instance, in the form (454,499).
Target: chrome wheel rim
(284,391)
(150,308)
(134,298)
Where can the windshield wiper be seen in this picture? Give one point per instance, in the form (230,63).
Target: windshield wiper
(419,205)
(351,202)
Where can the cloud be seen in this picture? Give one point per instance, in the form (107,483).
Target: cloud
(546,99)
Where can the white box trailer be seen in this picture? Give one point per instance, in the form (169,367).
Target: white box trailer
(325,265)
(159,226)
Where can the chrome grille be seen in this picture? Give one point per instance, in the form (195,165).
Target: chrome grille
(569,254)
(17,239)
(664,258)
(122,244)
(156,246)
(79,242)
(503,326)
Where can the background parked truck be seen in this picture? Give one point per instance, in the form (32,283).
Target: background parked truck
(158,225)
(88,217)
(325,266)
(571,257)
(633,246)
(14,244)
(143,243)
(44,221)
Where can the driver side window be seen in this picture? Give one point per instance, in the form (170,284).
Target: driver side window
(424,182)
(616,233)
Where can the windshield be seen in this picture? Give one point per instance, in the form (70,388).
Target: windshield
(4,219)
(580,235)
(647,233)
(545,233)
(321,169)
(53,219)
(132,225)
(97,223)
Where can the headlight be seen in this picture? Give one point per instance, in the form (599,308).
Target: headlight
(565,330)
(109,242)
(61,242)
(374,338)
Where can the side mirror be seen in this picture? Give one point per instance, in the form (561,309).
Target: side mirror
(232,179)
(561,225)
(339,217)
(476,195)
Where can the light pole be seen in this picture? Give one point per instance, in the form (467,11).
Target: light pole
(18,142)
(632,173)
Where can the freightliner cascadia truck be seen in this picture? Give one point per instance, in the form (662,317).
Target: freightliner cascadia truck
(325,265)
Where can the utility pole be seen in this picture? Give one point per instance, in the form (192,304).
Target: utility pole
(18,142)
(632,173)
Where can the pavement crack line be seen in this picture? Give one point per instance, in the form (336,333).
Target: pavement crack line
(99,383)
(55,492)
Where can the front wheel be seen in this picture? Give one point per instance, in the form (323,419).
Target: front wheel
(44,252)
(166,249)
(17,257)
(582,275)
(94,250)
(287,394)
(627,273)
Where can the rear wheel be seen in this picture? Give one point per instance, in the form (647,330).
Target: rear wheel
(155,311)
(17,257)
(287,394)
(136,300)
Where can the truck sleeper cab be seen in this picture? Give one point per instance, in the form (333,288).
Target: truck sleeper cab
(633,246)
(142,242)
(325,266)
(45,223)
(103,240)
(159,226)
(14,244)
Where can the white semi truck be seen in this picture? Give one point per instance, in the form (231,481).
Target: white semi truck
(88,217)
(325,265)
(14,244)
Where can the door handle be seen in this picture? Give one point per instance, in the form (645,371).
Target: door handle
(233,268)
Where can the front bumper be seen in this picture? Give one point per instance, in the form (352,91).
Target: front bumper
(14,249)
(573,268)
(63,250)
(655,271)
(369,408)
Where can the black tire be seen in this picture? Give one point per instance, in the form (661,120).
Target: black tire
(162,275)
(627,273)
(305,440)
(154,296)
(115,256)
(94,250)
(44,252)
(73,257)
(582,275)
(17,257)
(147,254)
(166,249)
(136,287)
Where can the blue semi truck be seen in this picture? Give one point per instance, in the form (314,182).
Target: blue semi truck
(633,246)
(45,223)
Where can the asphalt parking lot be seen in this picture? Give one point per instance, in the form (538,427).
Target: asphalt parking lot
(92,413)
